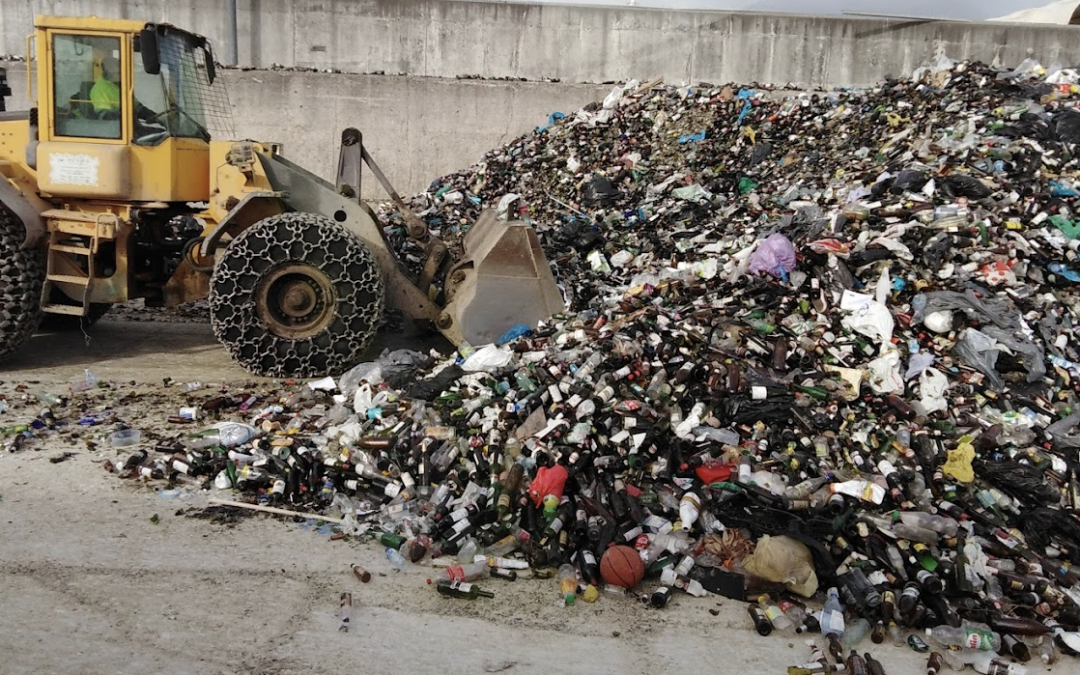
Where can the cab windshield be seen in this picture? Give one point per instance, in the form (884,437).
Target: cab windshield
(179,100)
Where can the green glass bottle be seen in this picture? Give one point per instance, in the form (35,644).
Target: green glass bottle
(467,591)
(391,540)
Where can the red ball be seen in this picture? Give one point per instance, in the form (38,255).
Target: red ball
(622,566)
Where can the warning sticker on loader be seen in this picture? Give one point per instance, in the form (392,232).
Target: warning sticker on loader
(72,169)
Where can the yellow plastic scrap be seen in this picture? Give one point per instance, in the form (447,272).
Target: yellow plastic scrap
(894,120)
(591,594)
(958,465)
(748,132)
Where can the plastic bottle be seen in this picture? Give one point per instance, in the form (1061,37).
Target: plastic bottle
(1048,652)
(776,616)
(985,662)
(689,510)
(806,487)
(832,616)
(796,613)
(967,636)
(865,490)
(855,632)
(940,524)
(468,549)
(466,572)
(397,561)
(691,586)
(568,583)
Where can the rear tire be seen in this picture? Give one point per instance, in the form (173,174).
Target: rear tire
(22,276)
(296,295)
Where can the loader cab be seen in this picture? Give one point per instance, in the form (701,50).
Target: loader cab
(123,110)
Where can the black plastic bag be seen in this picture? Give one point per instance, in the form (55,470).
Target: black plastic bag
(1066,126)
(959,185)
(909,180)
(577,235)
(600,192)
(1024,481)
(760,154)
(430,389)
(741,409)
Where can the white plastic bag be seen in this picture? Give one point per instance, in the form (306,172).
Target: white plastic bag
(488,359)
(885,373)
(932,385)
(873,319)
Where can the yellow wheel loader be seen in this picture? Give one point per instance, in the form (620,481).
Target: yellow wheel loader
(112,187)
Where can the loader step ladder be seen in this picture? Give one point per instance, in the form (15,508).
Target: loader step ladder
(68,258)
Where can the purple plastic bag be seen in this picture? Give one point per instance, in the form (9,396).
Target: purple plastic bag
(775,255)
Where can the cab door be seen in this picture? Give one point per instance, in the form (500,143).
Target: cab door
(85,134)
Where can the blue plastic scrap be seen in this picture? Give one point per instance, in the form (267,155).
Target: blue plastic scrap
(746,95)
(552,119)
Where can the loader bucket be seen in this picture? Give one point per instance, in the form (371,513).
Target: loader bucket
(502,280)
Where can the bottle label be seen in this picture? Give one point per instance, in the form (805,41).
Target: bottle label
(462,586)
(982,640)
(772,612)
(456,573)
(833,623)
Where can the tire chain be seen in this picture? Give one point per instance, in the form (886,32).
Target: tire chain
(290,238)
(22,276)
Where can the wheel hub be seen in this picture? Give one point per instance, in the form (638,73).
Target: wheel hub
(296,300)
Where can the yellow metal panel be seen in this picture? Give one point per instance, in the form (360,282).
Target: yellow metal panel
(14,136)
(177,170)
(230,181)
(88,23)
(71,169)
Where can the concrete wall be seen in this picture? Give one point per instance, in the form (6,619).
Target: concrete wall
(443,38)
(428,124)
(418,128)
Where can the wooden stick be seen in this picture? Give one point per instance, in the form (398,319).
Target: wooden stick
(270,509)
(648,86)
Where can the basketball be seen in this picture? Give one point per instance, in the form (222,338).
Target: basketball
(622,566)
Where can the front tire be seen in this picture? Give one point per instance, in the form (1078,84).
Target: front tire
(296,295)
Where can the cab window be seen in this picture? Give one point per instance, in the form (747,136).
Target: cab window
(87,91)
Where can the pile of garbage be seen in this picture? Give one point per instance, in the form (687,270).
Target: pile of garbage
(816,346)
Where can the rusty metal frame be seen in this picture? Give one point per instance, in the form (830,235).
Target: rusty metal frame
(28,208)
